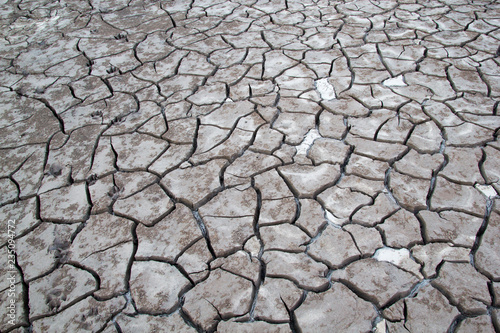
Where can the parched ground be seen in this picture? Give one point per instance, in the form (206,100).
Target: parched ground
(249,166)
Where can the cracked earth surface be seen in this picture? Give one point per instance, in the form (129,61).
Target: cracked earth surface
(251,166)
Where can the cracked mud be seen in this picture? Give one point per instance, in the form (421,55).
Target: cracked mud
(250,165)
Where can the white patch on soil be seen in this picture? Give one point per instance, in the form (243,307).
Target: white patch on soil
(397,81)
(307,142)
(487,190)
(325,89)
(334,221)
(394,256)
